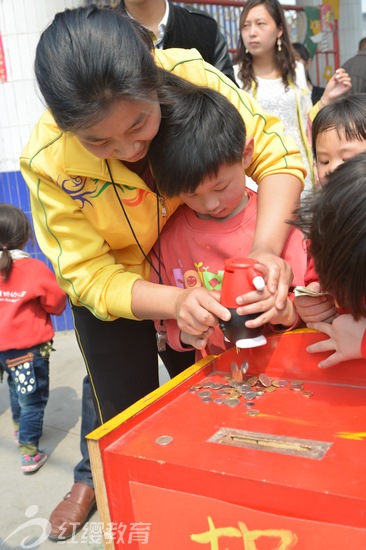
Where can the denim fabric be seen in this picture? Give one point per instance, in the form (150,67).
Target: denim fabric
(89,422)
(28,409)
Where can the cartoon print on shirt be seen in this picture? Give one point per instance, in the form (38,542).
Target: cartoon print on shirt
(201,277)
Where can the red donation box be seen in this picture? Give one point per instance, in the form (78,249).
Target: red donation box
(275,459)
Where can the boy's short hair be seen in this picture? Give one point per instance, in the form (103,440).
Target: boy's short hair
(347,116)
(199,132)
(334,219)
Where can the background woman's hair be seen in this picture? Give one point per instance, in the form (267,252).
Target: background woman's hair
(334,219)
(89,58)
(285,59)
(15,231)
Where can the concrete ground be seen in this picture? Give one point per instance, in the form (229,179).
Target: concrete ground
(28,500)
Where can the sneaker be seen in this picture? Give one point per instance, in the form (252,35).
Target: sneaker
(31,464)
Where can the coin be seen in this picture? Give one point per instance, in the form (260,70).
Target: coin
(269,389)
(223,391)
(307,393)
(296,387)
(242,388)
(219,401)
(232,402)
(265,380)
(204,393)
(252,380)
(249,404)
(252,412)
(164,440)
(208,384)
(249,395)
(279,383)
(244,367)
(206,399)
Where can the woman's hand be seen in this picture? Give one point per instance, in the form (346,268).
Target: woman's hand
(345,337)
(277,274)
(337,85)
(315,309)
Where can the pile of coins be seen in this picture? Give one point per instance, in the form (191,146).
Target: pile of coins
(232,392)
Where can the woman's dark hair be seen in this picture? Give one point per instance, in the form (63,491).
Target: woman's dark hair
(200,131)
(89,58)
(334,219)
(347,116)
(15,231)
(285,59)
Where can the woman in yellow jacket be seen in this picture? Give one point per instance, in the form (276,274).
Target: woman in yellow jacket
(96,211)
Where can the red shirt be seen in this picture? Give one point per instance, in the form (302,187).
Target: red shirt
(363,345)
(27,300)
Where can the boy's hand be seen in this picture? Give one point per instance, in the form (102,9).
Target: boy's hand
(261,302)
(345,337)
(287,316)
(313,309)
(199,342)
(198,309)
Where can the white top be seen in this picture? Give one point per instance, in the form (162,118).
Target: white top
(282,103)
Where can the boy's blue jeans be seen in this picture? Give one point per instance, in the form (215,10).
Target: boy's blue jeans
(28,409)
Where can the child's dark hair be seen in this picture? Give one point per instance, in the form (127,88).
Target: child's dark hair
(15,231)
(199,132)
(334,219)
(347,116)
(285,58)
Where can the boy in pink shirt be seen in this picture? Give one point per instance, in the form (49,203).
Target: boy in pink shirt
(200,154)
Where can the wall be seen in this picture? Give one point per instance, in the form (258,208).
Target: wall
(21,23)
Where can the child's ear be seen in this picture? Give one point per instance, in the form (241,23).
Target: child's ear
(248,152)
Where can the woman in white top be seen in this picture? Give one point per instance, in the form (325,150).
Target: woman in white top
(266,67)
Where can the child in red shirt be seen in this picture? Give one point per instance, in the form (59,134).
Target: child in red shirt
(29,295)
(334,219)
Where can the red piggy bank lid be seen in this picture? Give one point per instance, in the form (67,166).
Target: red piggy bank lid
(240,277)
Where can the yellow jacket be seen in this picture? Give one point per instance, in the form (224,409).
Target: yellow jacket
(78,220)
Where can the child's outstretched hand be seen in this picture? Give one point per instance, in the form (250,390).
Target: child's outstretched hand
(314,309)
(345,337)
(337,85)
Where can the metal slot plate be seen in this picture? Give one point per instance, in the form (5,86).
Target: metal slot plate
(294,446)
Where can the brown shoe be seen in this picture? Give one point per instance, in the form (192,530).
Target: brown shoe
(72,513)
